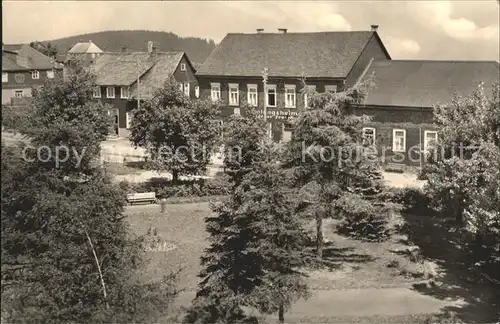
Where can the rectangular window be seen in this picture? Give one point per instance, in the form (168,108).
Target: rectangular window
(252,95)
(307,93)
(271,95)
(270,129)
(289,96)
(236,111)
(369,136)
(124,93)
(50,74)
(286,132)
(430,140)
(331,88)
(215,91)
(129,119)
(110,92)
(183,66)
(35,75)
(197,91)
(398,140)
(186,89)
(18,93)
(5,77)
(181,87)
(97,92)
(234,99)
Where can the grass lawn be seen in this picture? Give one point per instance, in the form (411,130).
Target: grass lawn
(361,270)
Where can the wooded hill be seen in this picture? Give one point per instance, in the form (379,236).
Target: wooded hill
(197,49)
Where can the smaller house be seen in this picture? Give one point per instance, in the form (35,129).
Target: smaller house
(23,68)
(126,78)
(86,51)
(403,96)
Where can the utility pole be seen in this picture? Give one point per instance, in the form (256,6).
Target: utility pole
(264,81)
(138,86)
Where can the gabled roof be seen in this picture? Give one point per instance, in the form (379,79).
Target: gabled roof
(319,55)
(165,66)
(426,83)
(122,69)
(23,57)
(85,47)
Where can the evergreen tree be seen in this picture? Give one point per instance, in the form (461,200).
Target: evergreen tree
(179,133)
(255,253)
(244,137)
(328,155)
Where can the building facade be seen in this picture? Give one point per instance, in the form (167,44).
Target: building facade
(23,68)
(327,61)
(85,52)
(401,102)
(118,76)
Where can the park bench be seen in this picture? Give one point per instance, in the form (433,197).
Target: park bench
(141,198)
(395,167)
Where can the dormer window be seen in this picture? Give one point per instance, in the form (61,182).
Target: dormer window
(183,66)
(35,75)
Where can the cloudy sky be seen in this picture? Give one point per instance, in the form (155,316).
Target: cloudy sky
(460,30)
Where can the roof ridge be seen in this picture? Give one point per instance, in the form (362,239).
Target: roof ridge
(444,61)
(304,32)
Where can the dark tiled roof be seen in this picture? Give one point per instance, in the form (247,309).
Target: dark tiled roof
(32,59)
(322,55)
(427,83)
(154,78)
(123,68)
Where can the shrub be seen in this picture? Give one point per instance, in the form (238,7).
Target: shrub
(218,186)
(362,219)
(164,188)
(413,200)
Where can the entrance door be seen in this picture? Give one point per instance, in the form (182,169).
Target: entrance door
(114,123)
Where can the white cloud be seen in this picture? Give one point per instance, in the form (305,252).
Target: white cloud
(439,14)
(402,47)
(334,21)
(306,16)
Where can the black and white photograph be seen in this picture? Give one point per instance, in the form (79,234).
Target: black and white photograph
(258,162)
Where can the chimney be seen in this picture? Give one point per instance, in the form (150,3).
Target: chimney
(150,47)
(374,27)
(282,30)
(124,48)
(260,30)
